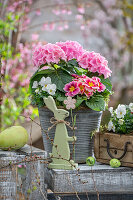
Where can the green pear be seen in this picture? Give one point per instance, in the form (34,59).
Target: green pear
(14,137)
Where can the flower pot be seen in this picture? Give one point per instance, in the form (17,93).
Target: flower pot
(113,145)
(87,120)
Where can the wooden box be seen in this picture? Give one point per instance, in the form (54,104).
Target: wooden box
(110,145)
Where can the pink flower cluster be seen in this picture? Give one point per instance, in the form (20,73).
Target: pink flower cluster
(94,62)
(84,85)
(20,67)
(72,49)
(52,53)
(49,53)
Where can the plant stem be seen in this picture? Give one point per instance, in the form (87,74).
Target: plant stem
(73,151)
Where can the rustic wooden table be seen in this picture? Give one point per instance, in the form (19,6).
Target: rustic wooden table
(109,183)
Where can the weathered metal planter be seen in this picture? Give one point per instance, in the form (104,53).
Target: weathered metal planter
(110,145)
(87,121)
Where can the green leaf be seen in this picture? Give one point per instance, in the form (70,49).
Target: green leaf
(73,63)
(96,103)
(80,71)
(68,67)
(106,82)
(42,72)
(60,79)
(60,98)
(79,100)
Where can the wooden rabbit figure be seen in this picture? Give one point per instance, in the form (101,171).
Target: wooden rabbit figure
(60,151)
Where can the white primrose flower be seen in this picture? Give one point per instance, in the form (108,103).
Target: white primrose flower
(45,80)
(111,110)
(111,126)
(42,81)
(35,84)
(131,107)
(121,121)
(121,111)
(51,88)
(45,83)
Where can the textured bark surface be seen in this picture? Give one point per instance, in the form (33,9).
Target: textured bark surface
(117,143)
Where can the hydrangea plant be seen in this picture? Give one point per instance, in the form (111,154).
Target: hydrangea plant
(65,70)
(121,119)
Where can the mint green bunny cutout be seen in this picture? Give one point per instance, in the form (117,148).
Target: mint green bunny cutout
(60,151)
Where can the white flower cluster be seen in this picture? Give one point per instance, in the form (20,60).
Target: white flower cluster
(120,113)
(131,107)
(46,85)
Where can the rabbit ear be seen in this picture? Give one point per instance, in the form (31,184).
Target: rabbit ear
(50,103)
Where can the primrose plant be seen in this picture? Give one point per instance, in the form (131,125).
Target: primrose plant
(73,76)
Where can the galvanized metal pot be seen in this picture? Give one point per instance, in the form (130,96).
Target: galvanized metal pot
(87,120)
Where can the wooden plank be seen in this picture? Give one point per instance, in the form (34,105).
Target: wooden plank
(27,150)
(107,179)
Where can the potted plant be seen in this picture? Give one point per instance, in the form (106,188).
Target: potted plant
(77,79)
(117,140)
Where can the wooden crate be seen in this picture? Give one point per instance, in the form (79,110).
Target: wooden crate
(110,145)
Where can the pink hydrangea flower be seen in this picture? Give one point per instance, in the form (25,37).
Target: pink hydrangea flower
(70,103)
(94,62)
(72,49)
(72,89)
(49,53)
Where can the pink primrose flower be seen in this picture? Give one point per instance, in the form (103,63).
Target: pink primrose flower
(94,62)
(70,103)
(91,84)
(72,89)
(49,53)
(88,92)
(72,49)
(81,87)
(101,87)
